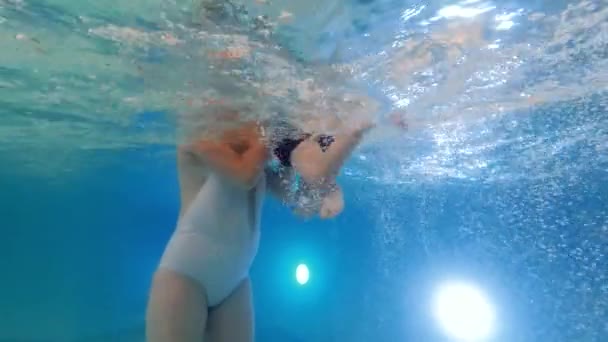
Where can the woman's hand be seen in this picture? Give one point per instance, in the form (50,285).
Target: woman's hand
(240,154)
(244,137)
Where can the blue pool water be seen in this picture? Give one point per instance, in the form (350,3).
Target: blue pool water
(504,195)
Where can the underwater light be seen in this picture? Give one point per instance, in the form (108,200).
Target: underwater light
(302,274)
(464,312)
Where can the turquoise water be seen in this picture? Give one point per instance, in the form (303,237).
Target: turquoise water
(501,181)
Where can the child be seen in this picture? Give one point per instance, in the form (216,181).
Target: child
(318,158)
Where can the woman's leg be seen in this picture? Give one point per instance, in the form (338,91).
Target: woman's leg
(233,319)
(177,309)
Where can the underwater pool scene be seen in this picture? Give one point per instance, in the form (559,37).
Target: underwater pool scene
(485,220)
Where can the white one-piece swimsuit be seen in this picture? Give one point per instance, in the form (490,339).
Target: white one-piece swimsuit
(217,238)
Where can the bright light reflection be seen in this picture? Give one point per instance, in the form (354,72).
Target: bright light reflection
(505,21)
(411,12)
(456,11)
(464,312)
(505,25)
(302,274)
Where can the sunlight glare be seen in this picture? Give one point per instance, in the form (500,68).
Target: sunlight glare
(302,274)
(464,312)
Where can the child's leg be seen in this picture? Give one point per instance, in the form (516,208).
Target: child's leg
(177,309)
(332,204)
(319,166)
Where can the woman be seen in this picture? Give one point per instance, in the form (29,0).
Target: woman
(201,290)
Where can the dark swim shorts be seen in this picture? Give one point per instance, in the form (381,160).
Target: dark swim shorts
(285,147)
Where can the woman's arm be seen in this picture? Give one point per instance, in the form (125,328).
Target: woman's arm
(192,174)
(242,161)
(245,168)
